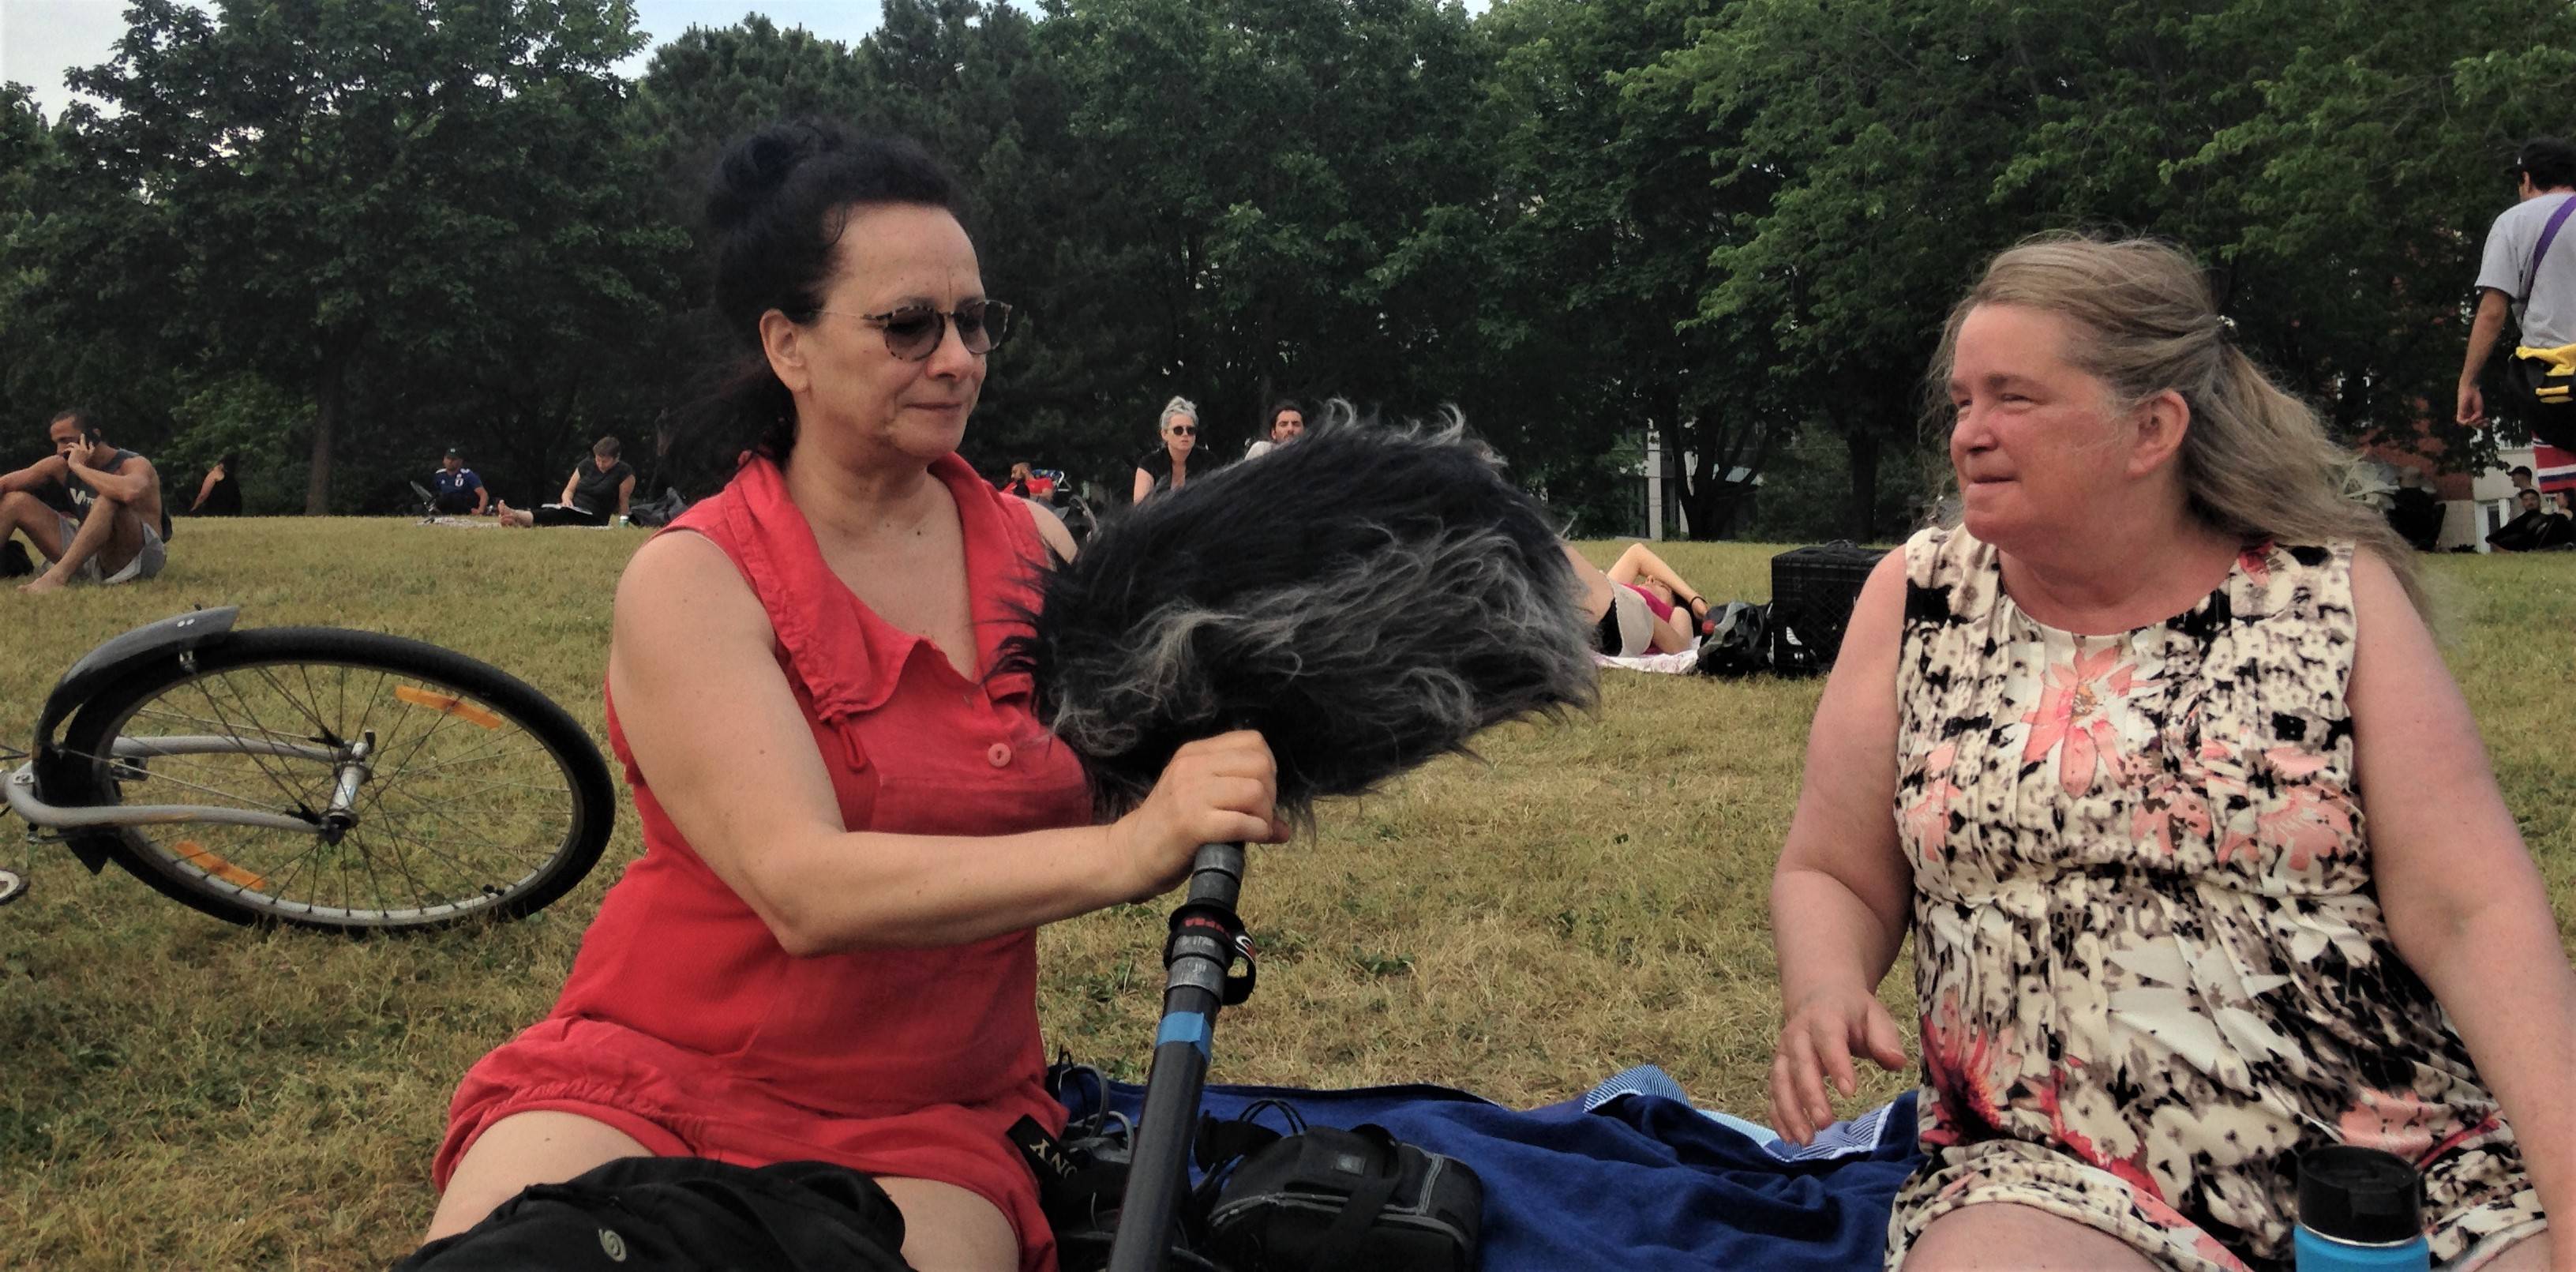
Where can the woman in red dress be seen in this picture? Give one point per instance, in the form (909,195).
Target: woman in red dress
(851,828)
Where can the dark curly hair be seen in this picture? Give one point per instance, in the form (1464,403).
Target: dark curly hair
(777,205)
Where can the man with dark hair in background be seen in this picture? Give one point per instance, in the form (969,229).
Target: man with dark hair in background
(455,488)
(2528,274)
(115,533)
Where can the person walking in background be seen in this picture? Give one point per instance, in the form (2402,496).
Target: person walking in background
(219,495)
(1287,424)
(2527,275)
(1167,467)
(595,493)
(455,489)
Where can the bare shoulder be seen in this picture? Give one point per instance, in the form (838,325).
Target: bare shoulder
(1878,615)
(1051,529)
(2385,621)
(680,575)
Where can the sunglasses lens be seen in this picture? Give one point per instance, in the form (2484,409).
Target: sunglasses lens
(983,325)
(912,333)
(1184,430)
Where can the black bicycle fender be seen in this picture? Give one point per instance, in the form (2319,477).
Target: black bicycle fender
(120,654)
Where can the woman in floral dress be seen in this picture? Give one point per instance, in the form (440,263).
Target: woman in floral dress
(2200,851)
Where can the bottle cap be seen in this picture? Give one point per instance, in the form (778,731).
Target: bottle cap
(2360,1195)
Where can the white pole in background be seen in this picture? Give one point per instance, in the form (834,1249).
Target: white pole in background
(1654,485)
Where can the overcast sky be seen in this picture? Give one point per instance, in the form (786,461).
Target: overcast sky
(40,38)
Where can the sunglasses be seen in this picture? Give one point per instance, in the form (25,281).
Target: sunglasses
(914,332)
(1184,430)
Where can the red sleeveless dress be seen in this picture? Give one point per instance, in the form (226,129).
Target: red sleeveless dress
(685,1025)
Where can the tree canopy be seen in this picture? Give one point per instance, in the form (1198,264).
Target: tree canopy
(336,236)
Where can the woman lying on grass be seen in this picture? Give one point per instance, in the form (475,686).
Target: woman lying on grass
(2199,847)
(1639,605)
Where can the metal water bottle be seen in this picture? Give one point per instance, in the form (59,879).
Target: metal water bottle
(2360,1210)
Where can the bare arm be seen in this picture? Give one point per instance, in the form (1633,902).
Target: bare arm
(50,468)
(204,488)
(2464,904)
(2493,307)
(1144,487)
(1842,895)
(482,497)
(715,727)
(128,487)
(1051,529)
(625,493)
(564,500)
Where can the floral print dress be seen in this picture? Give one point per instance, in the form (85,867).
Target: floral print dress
(2148,952)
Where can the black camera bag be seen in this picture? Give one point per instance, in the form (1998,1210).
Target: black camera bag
(1332,1199)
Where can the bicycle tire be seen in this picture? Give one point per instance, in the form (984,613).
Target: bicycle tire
(432,688)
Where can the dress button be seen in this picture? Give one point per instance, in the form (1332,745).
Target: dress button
(999,754)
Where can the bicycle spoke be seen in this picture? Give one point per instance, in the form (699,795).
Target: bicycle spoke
(282,691)
(159,773)
(252,756)
(466,809)
(441,814)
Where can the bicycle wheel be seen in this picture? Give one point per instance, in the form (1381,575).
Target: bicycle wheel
(433,787)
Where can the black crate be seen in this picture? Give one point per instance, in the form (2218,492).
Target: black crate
(1812,593)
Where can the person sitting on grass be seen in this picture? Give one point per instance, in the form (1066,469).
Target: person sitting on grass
(596,492)
(115,533)
(456,489)
(219,495)
(1287,424)
(851,829)
(2203,860)
(1167,466)
(2533,528)
(1639,605)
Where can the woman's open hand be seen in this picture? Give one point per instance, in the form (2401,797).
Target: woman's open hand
(1818,1036)
(1214,791)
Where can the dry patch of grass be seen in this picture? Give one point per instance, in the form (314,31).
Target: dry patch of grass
(1591,895)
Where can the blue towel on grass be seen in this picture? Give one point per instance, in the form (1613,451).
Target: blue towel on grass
(1641,1180)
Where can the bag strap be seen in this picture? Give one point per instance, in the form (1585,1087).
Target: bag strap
(1341,1243)
(2548,233)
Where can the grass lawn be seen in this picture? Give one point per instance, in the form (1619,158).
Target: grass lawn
(182,1093)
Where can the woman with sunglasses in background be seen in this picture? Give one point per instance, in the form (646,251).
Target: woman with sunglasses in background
(851,828)
(1167,467)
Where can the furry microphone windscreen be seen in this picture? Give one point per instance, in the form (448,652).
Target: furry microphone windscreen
(1367,598)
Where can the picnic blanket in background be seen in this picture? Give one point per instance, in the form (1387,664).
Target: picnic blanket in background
(1631,1176)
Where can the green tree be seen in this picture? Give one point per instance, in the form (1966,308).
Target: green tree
(346,196)
(1606,178)
(2326,159)
(1303,191)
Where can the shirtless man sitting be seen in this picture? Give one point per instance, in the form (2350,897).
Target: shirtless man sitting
(116,536)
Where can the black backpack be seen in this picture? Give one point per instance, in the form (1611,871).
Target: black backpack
(658,512)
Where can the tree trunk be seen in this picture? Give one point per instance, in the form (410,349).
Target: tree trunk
(1864,483)
(330,393)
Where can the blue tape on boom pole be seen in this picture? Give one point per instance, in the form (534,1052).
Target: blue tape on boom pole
(1185,1026)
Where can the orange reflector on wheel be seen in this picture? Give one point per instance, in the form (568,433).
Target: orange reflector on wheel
(448,704)
(195,854)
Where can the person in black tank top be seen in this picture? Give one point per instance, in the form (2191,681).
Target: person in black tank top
(219,495)
(116,525)
(596,492)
